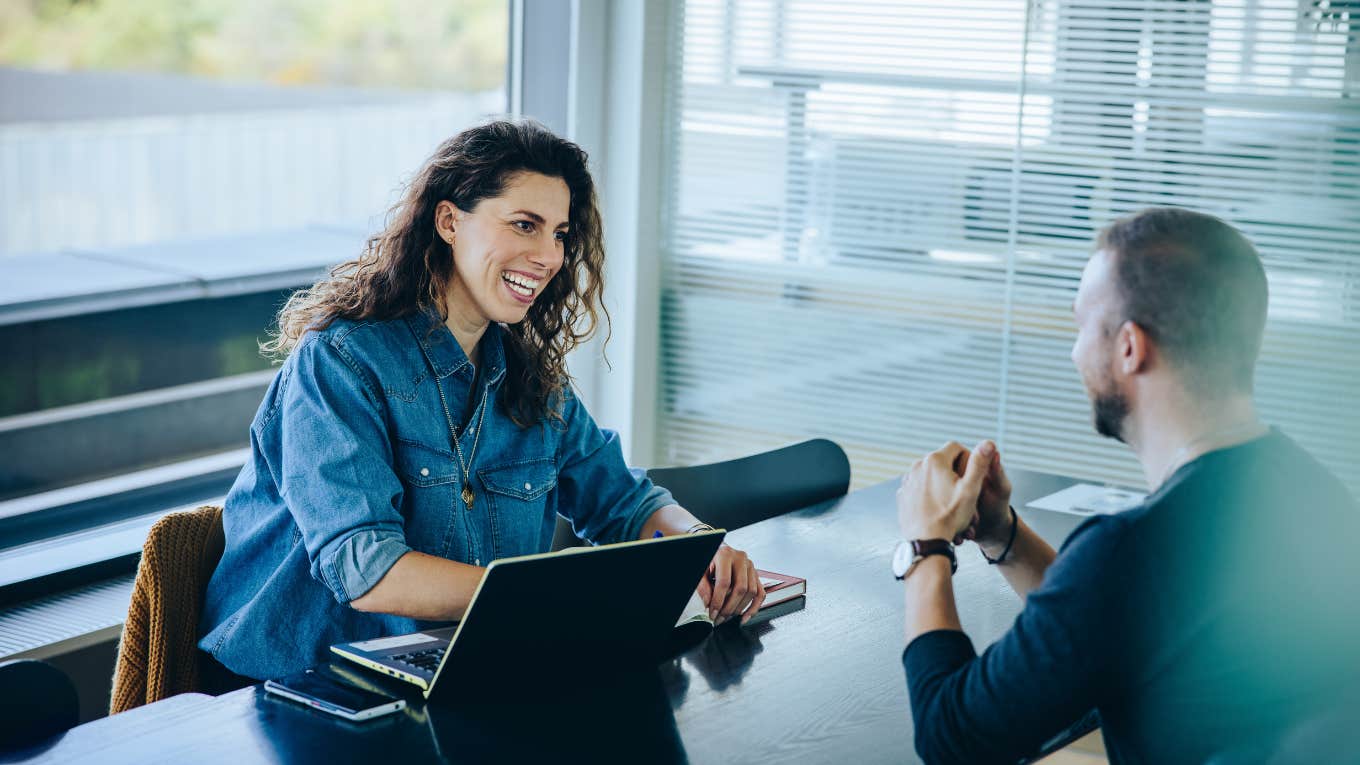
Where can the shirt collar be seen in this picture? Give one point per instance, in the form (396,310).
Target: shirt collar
(444,353)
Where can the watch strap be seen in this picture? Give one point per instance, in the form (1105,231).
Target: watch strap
(922,548)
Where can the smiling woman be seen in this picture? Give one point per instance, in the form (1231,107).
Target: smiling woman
(480,207)
(423,422)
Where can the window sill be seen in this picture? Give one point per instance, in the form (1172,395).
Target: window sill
(54,565)
(50,626)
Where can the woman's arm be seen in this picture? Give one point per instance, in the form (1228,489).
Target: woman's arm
(606,501)
(669,520)
(423,586)
(334,469)
(732,585)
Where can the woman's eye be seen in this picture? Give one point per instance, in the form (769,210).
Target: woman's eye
(561,236)
(525,226)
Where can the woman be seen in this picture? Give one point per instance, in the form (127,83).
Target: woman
(423,423)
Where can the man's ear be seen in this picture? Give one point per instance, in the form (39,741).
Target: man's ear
(1133,349)
(446,217)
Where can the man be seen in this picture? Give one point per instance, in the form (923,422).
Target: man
(1211,621)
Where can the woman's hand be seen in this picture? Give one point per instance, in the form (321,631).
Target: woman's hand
(731,586)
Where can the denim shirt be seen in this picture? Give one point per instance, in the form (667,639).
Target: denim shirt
(353,465)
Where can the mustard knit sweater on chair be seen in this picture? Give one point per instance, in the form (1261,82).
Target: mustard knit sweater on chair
(158,655)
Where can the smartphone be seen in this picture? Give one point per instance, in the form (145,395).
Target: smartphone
(320,692)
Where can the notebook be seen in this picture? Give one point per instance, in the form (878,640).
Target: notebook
(602,608)
(694,625)
(780,587)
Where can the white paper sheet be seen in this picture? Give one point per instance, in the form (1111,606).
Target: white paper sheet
(1089,499)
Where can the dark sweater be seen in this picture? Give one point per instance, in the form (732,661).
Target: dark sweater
(1212,618)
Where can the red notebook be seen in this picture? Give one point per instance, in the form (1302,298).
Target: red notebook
(780,587)
(783,595)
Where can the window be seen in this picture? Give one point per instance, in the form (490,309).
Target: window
(141,122)
(169,172)
(878,214)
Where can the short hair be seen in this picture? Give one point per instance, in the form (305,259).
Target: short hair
(1197,287)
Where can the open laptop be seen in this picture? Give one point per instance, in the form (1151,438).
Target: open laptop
(595,608)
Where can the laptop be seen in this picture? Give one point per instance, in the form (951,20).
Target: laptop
(596,608)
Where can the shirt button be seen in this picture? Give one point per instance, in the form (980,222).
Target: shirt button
(527,487)
(476,561)
(424,471)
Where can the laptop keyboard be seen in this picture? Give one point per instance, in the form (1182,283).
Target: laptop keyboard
(426,660)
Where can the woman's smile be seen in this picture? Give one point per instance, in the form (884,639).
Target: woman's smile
(522,286)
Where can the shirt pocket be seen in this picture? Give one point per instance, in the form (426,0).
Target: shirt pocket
(517,504)
(430,478)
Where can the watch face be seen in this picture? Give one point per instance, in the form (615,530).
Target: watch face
(901,559)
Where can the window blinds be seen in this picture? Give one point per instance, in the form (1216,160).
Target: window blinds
(877,214)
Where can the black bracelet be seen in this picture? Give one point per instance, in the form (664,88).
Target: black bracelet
(1015,526)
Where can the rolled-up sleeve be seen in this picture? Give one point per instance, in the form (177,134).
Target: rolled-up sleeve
(335,472)
(604,499)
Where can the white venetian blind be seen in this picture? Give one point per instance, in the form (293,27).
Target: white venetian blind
(878,212)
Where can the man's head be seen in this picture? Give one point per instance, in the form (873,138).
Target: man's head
(1169,292)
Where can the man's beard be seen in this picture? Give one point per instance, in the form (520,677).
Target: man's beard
(1109,409)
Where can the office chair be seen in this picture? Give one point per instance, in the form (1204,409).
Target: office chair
(743,491)
(37,701)
(158,654)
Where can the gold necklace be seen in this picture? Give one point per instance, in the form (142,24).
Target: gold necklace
(466,465)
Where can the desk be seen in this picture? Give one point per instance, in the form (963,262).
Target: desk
(823,685)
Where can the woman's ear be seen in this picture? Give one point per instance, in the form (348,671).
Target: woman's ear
(445,220)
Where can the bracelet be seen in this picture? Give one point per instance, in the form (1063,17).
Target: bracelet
(700,526)
(1015,526)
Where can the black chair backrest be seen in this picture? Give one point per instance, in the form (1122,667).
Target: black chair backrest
(740,492)
(37,701)
(743,491)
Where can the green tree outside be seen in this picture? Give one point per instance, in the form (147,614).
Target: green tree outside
(454,45)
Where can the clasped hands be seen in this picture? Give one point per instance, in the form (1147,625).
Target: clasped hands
(956,494)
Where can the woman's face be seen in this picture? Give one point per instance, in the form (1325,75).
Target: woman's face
(506,249)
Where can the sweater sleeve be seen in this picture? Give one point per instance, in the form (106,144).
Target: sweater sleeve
(1059,658)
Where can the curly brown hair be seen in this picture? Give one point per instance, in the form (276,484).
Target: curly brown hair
(407,267)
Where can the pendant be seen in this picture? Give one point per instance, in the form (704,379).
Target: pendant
(468,496)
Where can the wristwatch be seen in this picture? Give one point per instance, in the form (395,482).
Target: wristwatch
(908,554)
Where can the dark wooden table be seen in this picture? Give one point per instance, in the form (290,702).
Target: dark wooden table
(824,684)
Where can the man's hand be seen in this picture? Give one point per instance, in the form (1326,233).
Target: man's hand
(935,501)
(992,526)
(731,586)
